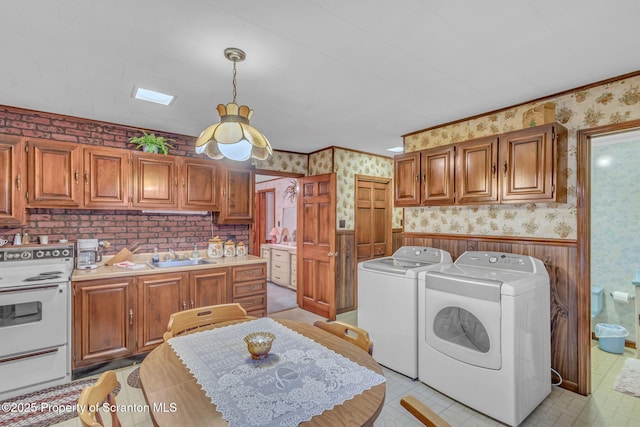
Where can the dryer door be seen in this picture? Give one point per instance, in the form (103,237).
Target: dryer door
(462,318)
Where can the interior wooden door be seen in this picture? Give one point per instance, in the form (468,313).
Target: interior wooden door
(373,217)
(265,214)
(316,242)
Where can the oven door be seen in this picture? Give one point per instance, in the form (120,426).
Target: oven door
(33,317)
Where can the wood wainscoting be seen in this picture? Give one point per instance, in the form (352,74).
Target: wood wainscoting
(560,258)
(347,268)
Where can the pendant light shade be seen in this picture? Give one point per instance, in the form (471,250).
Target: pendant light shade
(233,138)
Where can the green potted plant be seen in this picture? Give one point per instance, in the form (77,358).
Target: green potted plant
(151,143)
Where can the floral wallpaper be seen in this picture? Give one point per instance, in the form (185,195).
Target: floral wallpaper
(347,164)
(614,102)
(283,161)
(615,248)
(321,162)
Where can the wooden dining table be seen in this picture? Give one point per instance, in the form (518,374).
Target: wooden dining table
(175,398)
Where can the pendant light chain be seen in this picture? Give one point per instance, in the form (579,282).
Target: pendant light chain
(235,89)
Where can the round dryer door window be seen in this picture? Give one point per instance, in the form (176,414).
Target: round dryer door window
(464,328)
(457,325)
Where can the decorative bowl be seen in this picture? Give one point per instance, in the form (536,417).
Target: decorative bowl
(259,344)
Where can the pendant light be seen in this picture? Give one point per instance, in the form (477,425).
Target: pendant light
(233,138)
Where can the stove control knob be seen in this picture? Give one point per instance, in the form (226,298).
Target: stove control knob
(9,255)
(39,254)
(65,252)
(56,252)
(25,255)
(493,259)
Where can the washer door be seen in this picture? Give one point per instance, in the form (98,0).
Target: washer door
(462,318)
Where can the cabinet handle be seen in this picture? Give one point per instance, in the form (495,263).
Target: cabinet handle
(505,168)
(76,174)
(494,169)
(131,317)
(184,305)
(175,183)
(19,182)
(417,177)
(192,304)
(86,177)
(332,254)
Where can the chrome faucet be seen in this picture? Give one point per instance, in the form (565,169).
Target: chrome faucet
(172,255)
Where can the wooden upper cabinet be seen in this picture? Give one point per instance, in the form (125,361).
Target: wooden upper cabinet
(236,206)
(200,185)
(107,173)
(477,171)
(12,181)
(406,179)
(533,164)
(437,169)
(55,170)
(155,181)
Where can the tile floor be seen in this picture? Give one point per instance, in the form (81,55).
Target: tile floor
(605,407)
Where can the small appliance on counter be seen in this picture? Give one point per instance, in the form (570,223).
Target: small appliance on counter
(88,254)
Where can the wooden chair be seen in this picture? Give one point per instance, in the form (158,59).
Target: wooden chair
(422,412)
(91,399)
(188,321)
(350,333)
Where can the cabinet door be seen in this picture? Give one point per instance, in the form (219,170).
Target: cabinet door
(530,164)
(106,177)
(54,174)
(406,178)
(437,168)
(12,182)
(159,295)
(155,181)
(200,185)
(477,171)
(103,320)
(237,195)
(209,287)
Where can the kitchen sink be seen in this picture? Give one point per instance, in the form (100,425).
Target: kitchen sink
(180,263)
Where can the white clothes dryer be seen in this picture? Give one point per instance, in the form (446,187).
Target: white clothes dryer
(484,333)
(388,304)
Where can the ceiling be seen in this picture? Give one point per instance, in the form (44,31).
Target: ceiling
(355,74)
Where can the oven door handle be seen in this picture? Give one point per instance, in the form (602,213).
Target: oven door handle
(28,355)
(28,288)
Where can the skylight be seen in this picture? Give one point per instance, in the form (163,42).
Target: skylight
(153,96)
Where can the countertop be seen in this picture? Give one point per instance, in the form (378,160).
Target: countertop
(291,248)
(142,268)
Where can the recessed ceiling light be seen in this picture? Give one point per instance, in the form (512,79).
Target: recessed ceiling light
(396,149)
(153,96)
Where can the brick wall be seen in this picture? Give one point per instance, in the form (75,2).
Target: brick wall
(121,228)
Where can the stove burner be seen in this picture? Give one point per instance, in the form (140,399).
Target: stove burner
(49,273)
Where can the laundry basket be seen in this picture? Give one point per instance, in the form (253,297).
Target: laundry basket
(611,337)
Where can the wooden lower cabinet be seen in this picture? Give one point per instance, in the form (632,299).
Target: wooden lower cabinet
(249,288)
(159,295)
(118,318)
(103,320)
(208,287)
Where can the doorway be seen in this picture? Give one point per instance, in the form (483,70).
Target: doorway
(265,218)
(584,240)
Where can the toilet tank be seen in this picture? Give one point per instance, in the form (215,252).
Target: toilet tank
(597,300)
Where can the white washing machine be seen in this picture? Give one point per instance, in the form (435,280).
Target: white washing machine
(388,304)
(484,328)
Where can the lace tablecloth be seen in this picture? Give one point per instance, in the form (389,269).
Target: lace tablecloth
(298,380)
